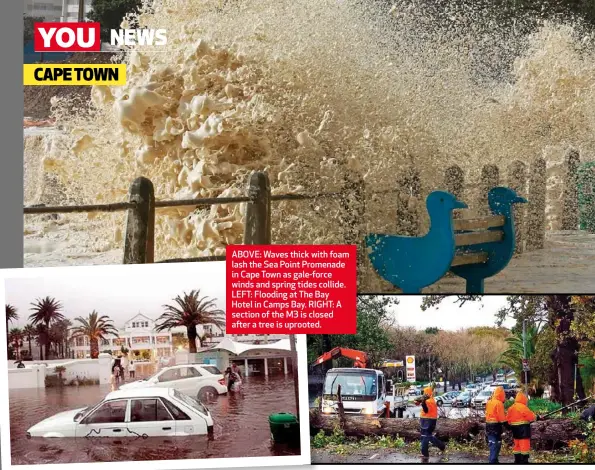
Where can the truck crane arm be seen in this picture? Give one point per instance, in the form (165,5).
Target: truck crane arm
(360,358)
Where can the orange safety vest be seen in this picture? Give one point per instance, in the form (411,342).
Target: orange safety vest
(519,417)
(431,404)
(495,416)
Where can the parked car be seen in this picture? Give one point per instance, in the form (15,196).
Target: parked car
(446,398)
(470,387)
(145,412)
(203,381)
(481,399)
(463,400)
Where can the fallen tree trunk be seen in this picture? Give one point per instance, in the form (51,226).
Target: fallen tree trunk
(549,434)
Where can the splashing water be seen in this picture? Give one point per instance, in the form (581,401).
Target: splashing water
(307,89)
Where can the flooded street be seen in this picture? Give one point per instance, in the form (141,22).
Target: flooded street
(241,427)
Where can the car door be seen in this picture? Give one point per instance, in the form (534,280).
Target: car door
(183,379)
(106,420)
(150,418)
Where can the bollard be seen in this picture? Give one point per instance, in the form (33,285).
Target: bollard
(490,178)
(517,181)
(570,216)
(257,230)
(139,242)
(408,191)
(535,227)
(454,182)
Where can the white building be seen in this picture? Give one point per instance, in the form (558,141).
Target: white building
(55,10)
(139,336)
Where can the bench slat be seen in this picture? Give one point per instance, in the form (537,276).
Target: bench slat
(471,258)
(475,238)
(481,223)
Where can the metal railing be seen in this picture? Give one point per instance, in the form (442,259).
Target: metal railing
(139,240)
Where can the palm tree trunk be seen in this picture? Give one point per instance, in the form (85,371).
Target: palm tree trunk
(94,343)
(41,350)
(30,346)
(47,340)
(191,330)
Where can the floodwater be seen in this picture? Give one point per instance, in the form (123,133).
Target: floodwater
(241,427)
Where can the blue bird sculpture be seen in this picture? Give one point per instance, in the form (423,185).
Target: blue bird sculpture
(499,253)
(412,263)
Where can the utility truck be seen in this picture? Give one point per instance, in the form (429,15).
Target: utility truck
(363,390)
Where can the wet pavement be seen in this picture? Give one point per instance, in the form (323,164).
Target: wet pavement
(371,456)
(565,264)
(241,426)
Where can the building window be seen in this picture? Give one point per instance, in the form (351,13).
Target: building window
(162,339)
(140,339)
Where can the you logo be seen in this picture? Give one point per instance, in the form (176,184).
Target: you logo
(66,37)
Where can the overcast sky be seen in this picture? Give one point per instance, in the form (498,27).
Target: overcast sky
(120,292)
(448,315)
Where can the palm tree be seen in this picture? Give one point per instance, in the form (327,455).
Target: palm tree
(16,339)
(46,312)
(94,327)
(41,334)
(191,311)
(59,335)
(11,314)
(29,333)
(514,355)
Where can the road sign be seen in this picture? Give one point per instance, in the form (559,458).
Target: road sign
(410,368)
(526,365)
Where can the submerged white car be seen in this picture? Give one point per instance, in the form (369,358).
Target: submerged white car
(203,381)
(150,412)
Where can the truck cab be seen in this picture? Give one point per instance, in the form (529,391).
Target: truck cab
(363,391)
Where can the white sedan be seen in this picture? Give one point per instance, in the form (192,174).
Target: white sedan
(203,381)
(150,412)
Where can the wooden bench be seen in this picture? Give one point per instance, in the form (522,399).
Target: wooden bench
(473,249)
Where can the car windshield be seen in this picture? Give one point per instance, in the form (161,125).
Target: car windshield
(485,393)
(80,414)
(191,402)
(360,383)
(463,395)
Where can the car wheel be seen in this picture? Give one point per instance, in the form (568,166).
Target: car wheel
(207,394)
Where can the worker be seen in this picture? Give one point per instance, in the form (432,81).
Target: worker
(495,422)
(588,414)
(428,418)
(519,418)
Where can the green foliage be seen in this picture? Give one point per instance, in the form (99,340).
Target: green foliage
(339,443)
(321,440)
(538,406)
(587,370)
(514,355)
(111,13)
(373,319)
(584,451)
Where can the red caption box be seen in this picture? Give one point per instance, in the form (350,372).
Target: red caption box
(291,289)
